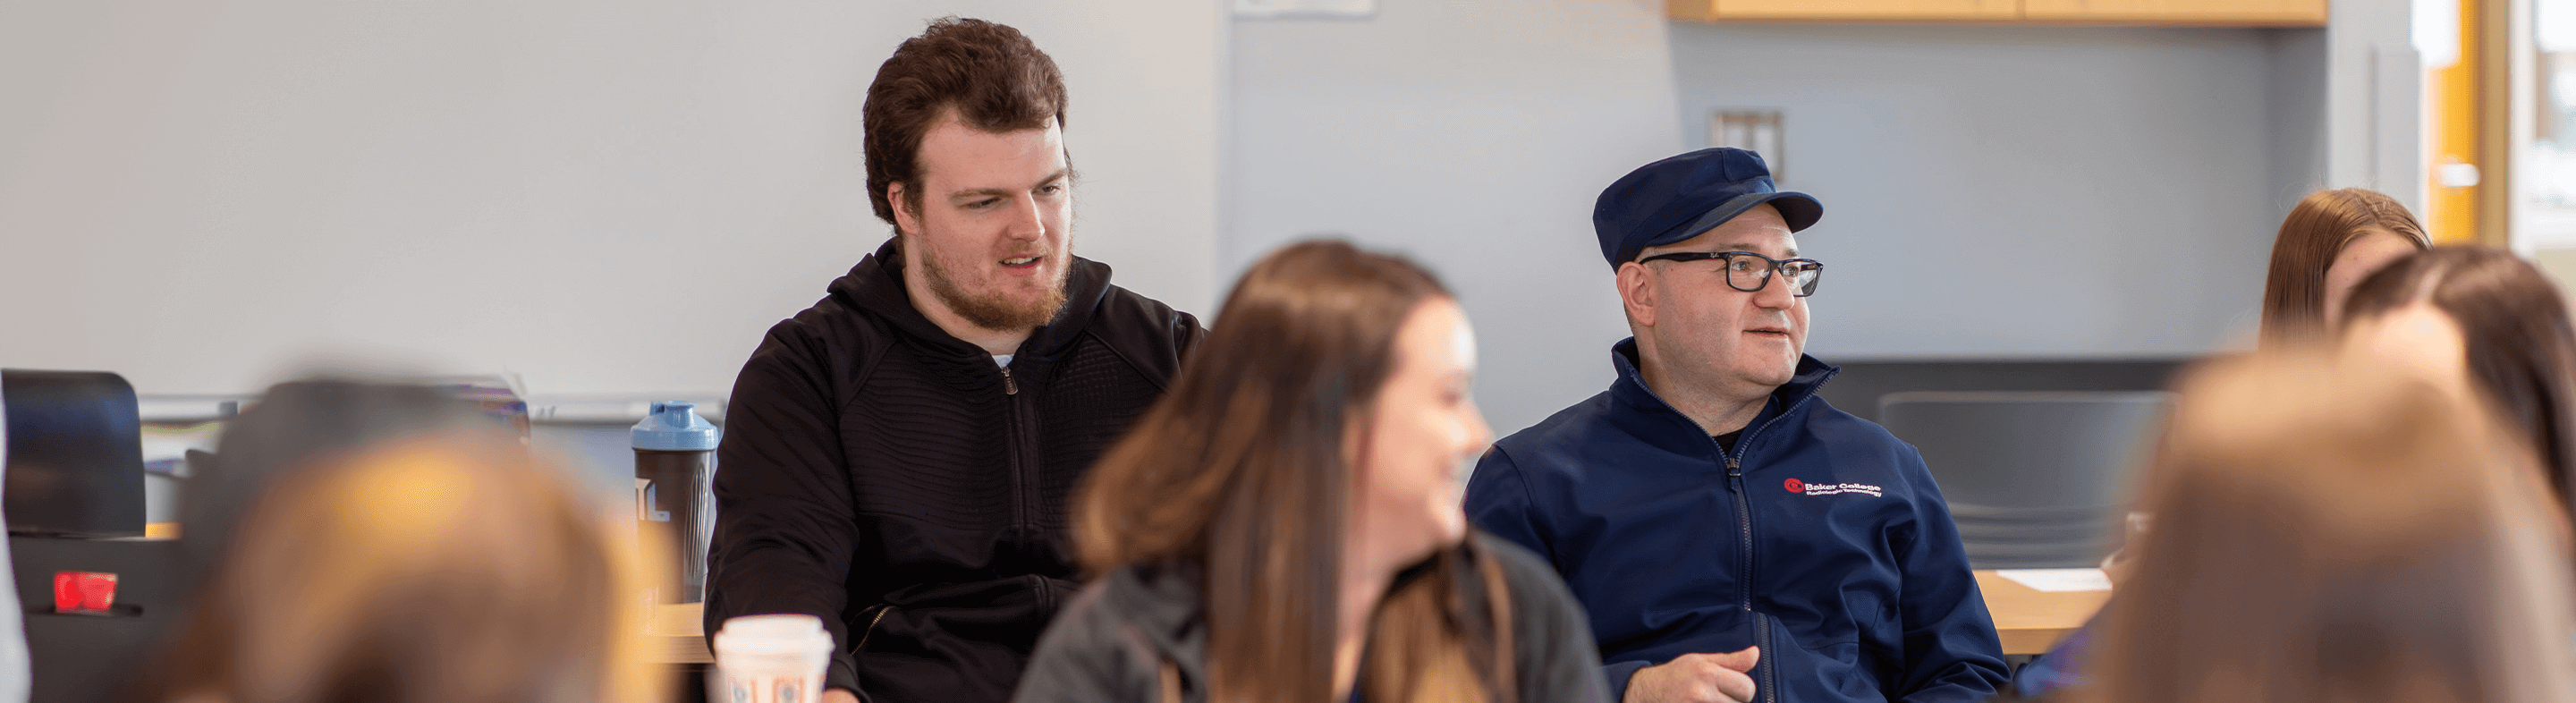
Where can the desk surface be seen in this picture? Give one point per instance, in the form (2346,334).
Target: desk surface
(680,633)
(2030,621)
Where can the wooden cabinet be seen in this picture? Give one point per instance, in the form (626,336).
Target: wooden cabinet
(1852,10)
(2240,13)
(2214,12)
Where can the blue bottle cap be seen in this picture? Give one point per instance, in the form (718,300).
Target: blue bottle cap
(674,426)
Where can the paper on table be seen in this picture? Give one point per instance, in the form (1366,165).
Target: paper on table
(2058,580)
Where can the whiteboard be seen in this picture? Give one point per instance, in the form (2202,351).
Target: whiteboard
(603,198)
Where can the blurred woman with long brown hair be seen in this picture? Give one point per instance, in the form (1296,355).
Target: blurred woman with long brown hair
(2496,321)
(1285,524)
(2331,241)
(2346,532)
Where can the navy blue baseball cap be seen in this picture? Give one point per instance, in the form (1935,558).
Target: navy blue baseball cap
(1678,198)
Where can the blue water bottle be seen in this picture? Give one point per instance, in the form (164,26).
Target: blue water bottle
(675,458)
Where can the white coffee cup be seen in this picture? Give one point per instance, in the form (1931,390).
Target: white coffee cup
(770,659)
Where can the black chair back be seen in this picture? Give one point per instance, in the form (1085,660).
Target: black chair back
(2033,479)
(75,459)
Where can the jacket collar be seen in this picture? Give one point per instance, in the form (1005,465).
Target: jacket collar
(1630,389)
(1162,600)
(876,285)
(1165,601)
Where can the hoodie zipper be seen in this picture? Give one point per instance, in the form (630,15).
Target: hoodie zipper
(1020,480)
(871,629)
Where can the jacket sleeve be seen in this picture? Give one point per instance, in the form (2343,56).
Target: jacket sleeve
(1951,652)
(785,527)
(1499,501)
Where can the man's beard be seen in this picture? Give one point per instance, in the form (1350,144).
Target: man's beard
(994,312)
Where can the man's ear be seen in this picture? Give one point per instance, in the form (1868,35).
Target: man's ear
(1637,293)
(906,221)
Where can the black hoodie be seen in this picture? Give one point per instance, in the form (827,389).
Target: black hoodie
(887,477)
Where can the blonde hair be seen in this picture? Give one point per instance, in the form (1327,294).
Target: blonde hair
(453,568)
(2326,532)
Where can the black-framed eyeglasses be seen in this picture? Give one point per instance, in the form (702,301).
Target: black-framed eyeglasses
(1745,275)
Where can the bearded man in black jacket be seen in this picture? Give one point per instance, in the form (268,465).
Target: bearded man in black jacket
(896,458)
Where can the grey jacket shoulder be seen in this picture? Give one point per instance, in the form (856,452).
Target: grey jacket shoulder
(1111,642)
(1552,646)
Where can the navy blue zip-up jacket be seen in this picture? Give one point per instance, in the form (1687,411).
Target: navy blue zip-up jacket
(1820,538)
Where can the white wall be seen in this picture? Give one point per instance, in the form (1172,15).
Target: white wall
(2013,191)
(1990,191)
(616,198)
(2297,112)
(1473,136)
(2374,114)
(604,197)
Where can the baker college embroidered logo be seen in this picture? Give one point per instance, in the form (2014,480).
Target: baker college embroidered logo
(1825,489)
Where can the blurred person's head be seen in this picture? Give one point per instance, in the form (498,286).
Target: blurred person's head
(2507,330)
(2331,240)
(293,425)
(965,155)
(2415,338)
(1322,430)
(2331,531)
(450,567)
(1694,239)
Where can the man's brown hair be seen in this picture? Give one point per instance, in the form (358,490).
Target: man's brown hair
(2294,292)
(989,75)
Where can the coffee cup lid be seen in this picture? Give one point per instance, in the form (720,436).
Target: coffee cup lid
(784,625)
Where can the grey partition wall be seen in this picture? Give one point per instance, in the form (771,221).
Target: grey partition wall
(2034,479)
(1863,382)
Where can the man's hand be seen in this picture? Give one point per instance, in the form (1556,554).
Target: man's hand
(1697,678)
(839,695)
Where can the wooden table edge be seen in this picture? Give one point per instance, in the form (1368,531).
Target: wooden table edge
(2028,621)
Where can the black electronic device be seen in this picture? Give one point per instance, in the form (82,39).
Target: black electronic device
(75,454)
(82,657)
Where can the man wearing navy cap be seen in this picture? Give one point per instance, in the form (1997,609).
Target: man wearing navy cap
(1732,536)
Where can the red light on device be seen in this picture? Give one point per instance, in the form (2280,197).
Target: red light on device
(84,592)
